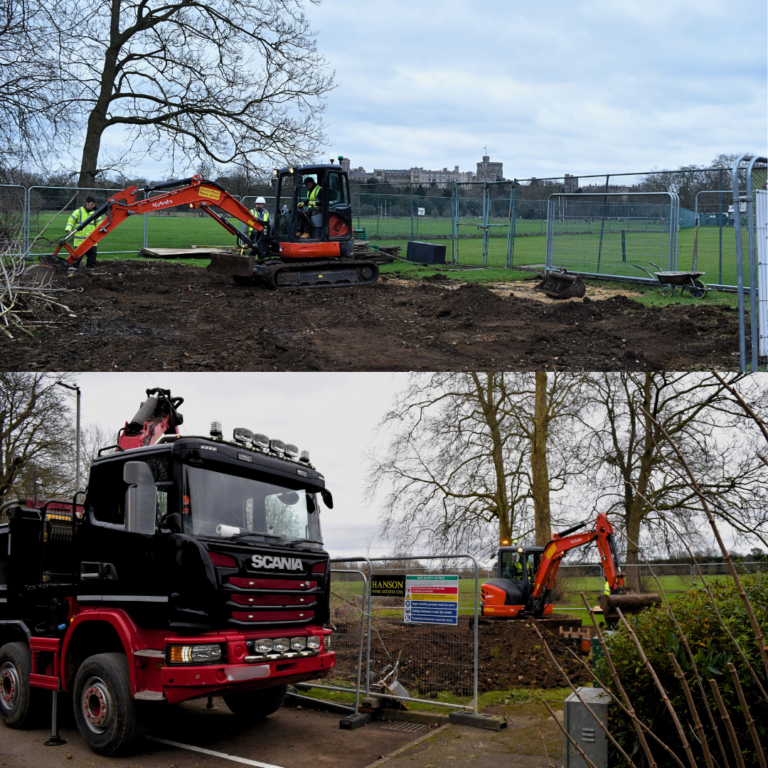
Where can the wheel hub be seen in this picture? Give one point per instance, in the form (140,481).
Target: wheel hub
(9,685)
(97,707)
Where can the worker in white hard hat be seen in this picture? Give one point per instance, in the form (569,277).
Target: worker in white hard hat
(260,213)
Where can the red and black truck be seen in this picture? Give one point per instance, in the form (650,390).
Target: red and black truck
(191,566)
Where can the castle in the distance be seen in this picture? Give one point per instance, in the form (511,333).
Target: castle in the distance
(486,171)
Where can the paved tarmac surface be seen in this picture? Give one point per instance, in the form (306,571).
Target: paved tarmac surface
(291,738)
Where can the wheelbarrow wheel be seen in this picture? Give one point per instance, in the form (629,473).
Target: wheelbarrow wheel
(667,290)
(697,289)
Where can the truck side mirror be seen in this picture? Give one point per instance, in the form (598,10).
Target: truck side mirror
(327,498)
(140,498)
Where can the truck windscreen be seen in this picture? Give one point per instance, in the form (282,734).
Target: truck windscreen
(247,504)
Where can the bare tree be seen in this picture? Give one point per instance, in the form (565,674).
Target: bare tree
(470,453)
(225,81)
(628,457)
(34,98)
(36,434)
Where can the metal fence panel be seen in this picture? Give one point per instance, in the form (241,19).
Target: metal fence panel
(49,208)
(755,177)
(435,663)
(13,229)
(186,227)
(483,223)
(612,234)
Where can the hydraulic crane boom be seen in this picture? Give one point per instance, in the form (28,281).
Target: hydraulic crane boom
(197,193)
(157,416)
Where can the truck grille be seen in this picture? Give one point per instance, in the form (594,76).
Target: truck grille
(279,600)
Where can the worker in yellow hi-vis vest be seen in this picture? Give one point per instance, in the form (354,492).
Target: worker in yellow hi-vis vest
(311,217)
(78,217)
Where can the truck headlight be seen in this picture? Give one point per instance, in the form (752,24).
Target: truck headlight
(282,644)
(194,654)
(298,643)
(263,646)
(314,642)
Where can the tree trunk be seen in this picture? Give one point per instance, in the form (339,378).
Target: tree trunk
(539,468)
(97,120)
(638,507)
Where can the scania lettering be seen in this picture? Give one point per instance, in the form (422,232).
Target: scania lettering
(286,563)
(142,590)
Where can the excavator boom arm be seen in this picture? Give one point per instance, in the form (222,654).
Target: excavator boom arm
(197,194)
(560,544)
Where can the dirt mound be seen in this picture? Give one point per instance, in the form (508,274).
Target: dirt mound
(168,316)
(440,658)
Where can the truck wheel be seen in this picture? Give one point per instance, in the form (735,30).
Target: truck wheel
(18,702)
(104,707)
(256,705)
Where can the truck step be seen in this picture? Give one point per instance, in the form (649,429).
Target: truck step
(149,696)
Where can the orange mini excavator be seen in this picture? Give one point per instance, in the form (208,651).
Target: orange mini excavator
(526,575)
(276,254)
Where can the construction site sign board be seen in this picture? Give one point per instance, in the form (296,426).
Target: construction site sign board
(388,586)
(431,599)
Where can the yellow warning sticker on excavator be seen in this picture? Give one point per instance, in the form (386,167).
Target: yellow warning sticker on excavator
(550,550)
(211,194)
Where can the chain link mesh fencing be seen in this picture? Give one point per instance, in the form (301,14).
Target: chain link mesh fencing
(613,234)
(13,230)
(432,663)
(49,208)
(483,224)
(186,227)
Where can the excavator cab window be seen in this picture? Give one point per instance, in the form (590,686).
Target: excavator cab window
(284,206)
(337,190)
(511,566)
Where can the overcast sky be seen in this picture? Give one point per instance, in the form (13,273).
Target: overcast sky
(332,415)
(577,86)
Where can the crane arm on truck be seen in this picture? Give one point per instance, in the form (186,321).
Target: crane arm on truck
(196,193)
(157,416)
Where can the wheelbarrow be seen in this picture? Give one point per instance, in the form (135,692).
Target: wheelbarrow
(668,281)
(561,285)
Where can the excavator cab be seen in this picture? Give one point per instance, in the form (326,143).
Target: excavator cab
(332,223)
(511,593)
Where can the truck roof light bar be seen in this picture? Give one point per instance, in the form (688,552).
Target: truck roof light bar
(277,446)
(261,442)
(242,435)
(291,451)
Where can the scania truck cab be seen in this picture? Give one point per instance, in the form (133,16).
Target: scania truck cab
(191,567)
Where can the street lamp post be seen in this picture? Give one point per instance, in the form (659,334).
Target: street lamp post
(77,438)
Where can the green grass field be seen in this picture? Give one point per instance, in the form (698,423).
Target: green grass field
(572,251)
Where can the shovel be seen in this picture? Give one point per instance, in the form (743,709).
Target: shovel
(561,285)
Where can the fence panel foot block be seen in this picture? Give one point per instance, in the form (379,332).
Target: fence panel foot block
(491,722)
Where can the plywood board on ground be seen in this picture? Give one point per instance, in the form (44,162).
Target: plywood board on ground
(201,252)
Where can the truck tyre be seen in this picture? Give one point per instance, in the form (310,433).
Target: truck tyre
(19,703)
(256,705)
(104,707)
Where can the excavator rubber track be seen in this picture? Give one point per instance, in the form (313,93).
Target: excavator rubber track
(325,274)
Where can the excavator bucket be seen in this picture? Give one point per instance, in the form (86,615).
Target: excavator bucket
(228,263)
(561,285)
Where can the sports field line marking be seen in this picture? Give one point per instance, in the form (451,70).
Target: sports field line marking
(234,759)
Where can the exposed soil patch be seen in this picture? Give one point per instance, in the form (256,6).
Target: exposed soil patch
(153,316)
(433,659)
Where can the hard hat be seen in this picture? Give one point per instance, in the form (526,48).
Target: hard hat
(260,201)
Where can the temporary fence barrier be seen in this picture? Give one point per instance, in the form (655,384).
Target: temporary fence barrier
(186,227)
(613,233)
(752,354)
(713,242)
(13,232)
(482,230)
(408,657)
(49,208)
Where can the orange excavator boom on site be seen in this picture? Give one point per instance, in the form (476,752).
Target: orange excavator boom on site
(196,193)
(306,243)
(526,575)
